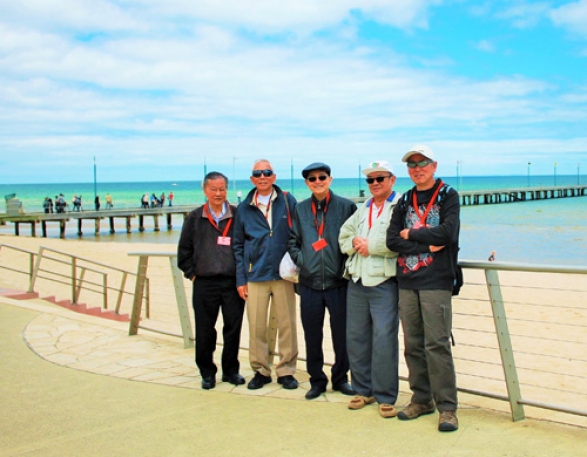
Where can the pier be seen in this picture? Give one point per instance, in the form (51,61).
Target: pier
(522,194)
(486,197)
(128,214)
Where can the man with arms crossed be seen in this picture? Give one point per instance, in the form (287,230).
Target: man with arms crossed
(372,310)
(261,233)
(204,254)
(424,230)
(313,246)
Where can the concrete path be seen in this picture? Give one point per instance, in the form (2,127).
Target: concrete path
(72,384)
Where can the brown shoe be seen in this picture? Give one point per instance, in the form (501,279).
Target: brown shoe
(448,422)
(414,410)
(386,410)
(359,402)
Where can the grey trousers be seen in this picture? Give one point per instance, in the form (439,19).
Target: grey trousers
(426,317)
(372,341)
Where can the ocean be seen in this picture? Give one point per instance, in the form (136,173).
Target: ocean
(546,232)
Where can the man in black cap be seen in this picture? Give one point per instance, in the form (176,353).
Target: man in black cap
(313,246)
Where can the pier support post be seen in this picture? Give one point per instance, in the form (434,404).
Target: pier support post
(128,226)
(96,227)
(169,225)
(79,227)
(62,228)
(44,229)
(156,222)
(112,225)
(33,229)
(16,228)
(141,223)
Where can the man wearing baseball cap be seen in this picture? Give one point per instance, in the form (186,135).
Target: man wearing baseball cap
(372,308)
(424,230)
(313,246)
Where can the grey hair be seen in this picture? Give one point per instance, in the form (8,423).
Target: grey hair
(262,160)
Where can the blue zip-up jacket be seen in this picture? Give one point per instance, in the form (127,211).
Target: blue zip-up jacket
(258,250)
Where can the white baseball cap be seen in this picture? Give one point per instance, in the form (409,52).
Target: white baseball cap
(419,149)
(380,165)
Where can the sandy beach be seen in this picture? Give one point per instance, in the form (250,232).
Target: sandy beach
(547,317)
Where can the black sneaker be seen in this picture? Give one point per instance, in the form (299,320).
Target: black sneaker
(258,381)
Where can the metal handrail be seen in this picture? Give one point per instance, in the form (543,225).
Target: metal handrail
(76,280)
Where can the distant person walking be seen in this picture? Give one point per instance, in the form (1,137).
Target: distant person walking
(162,201)
(109,203)
(97,203)
(170,198)
(145,201)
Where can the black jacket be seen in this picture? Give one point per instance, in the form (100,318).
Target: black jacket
(321,269)
(417,267)
(198,251)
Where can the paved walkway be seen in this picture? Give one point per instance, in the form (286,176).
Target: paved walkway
(66,389)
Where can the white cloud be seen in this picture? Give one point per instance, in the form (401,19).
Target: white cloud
(485,46)
(525,14)
(572,16)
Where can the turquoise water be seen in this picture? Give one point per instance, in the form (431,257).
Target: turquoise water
(550,231)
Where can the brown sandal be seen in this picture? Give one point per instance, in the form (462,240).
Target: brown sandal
(386,410)
(360,401)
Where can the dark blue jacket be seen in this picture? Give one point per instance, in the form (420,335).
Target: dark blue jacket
(258,250)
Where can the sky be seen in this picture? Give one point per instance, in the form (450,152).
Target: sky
(159,90)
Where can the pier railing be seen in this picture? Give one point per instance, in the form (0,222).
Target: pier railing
(520,331)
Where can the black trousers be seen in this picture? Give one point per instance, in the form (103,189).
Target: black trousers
(313,304)
(210,295)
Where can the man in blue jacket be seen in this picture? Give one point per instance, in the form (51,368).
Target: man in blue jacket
(261,232)
(313,246)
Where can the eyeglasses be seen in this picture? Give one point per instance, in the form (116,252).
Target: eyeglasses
(378,179)
(321,178)
(421,164)
(258,173)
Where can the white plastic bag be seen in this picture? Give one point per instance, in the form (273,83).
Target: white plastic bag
(288,269)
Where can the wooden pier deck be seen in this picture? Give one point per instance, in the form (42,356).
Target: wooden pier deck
(42,219)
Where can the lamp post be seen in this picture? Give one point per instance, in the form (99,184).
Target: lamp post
(234,173)
(291,173)
(529,163)
(95,184)
(555,173)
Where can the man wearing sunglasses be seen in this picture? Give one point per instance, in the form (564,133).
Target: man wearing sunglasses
(261,232)
(313,246)
(372,308)
(424,230)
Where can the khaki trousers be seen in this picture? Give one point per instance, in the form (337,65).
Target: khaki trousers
(284,304)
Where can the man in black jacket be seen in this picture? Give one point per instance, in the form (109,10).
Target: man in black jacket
(424,230)
(313,246)
(206,257)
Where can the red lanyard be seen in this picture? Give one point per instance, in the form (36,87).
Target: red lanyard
(371,213)
(320,228)
(268,204)
(214,224)
(428,207)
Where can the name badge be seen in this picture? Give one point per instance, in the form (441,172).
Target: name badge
(224,240)
(320,244)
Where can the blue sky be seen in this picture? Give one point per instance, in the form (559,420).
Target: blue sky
(153,89)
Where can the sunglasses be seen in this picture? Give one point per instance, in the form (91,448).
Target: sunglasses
(321,178)
(421,164)
(258,173)
(378,179)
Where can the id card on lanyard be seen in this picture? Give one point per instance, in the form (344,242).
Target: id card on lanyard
(421,222)
(222,240)
(321,243)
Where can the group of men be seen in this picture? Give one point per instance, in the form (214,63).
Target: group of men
(391,259)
